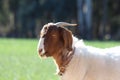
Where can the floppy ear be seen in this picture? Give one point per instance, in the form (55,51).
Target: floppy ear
(67,38)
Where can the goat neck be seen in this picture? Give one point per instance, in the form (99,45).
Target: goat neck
(62,60)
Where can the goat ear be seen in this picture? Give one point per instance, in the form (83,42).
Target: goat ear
(66,38)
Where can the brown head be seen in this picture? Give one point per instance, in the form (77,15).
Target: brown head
(54,38)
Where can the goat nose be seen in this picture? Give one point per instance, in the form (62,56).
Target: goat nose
(40,50)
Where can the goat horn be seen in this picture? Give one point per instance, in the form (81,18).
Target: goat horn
(63,24)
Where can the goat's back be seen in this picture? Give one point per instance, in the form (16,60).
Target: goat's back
(90,63)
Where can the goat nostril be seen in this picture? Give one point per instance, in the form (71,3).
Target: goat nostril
(40,50)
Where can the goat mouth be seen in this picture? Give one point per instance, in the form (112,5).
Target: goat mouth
(43,54)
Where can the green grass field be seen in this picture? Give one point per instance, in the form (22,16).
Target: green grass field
(19,60)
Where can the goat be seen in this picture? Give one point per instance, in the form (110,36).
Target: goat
(74,59)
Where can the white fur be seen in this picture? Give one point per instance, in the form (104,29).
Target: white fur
(91,63)
(41,45)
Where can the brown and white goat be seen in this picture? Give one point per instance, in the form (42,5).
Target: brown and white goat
(75,60)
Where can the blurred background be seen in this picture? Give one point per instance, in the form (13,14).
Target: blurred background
(22,20)
(97,19)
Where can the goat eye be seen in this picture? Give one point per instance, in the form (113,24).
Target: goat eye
(53,35)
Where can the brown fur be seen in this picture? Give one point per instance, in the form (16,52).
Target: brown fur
(58,44)
(67,38)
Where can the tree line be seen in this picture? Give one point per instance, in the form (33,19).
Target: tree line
(25,18)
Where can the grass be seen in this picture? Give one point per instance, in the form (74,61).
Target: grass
(19,60)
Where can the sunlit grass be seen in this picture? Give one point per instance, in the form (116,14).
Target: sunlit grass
(19,60)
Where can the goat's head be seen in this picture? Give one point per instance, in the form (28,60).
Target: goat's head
(54,38)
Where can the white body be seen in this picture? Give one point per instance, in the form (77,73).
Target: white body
(90,63)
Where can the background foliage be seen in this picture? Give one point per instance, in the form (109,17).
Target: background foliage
(24,18)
